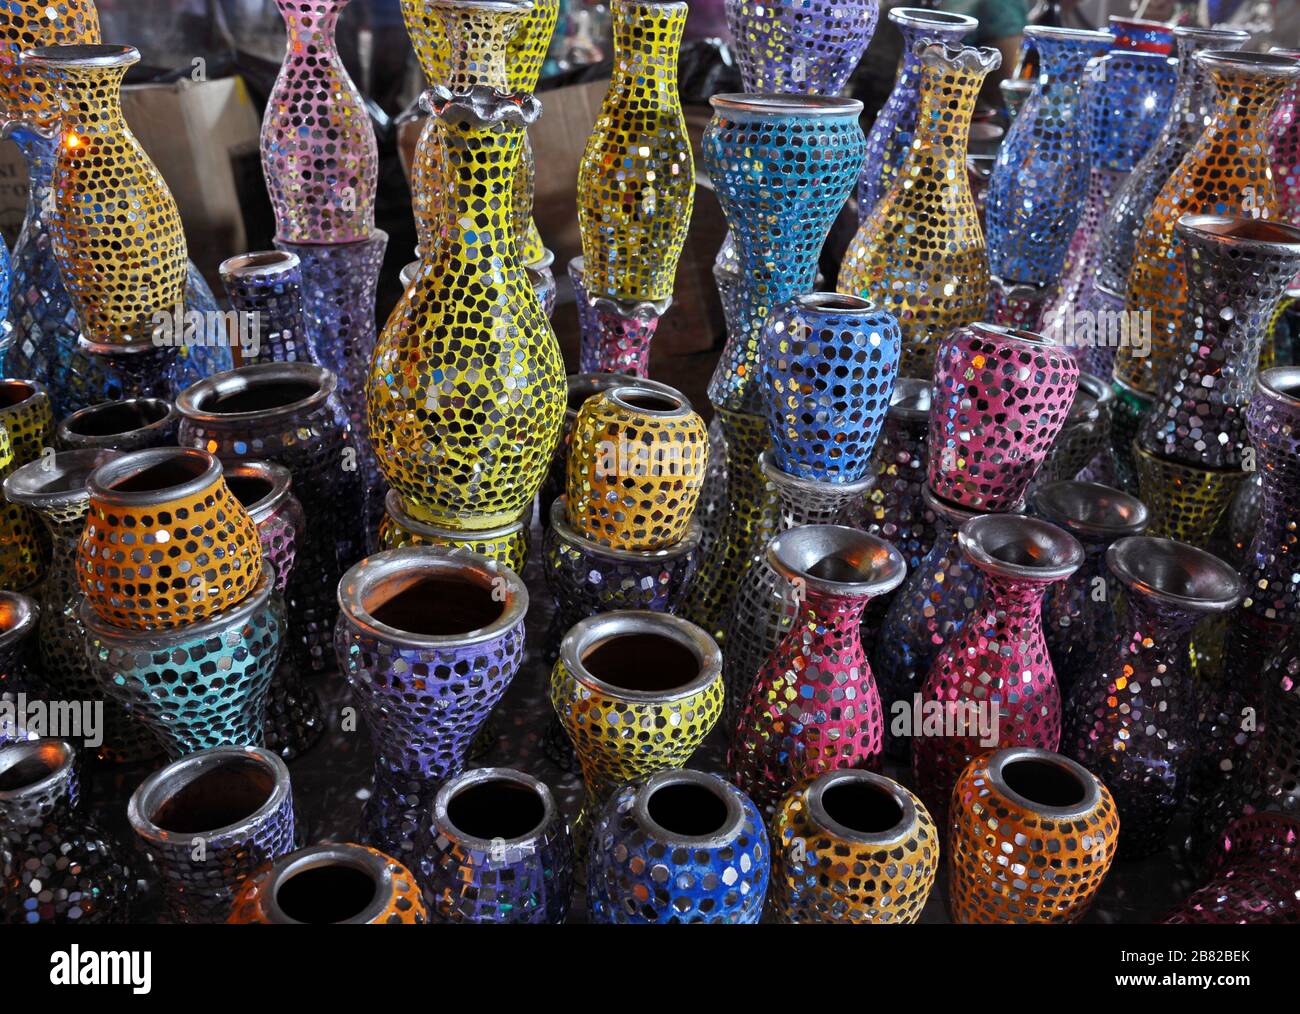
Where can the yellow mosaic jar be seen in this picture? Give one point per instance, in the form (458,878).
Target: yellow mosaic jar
(507,544)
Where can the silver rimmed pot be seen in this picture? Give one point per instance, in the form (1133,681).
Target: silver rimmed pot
(130,425)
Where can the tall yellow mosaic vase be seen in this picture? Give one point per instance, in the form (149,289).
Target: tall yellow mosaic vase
(524,58)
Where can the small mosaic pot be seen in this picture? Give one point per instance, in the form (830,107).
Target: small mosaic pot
(497,851)
(678,847)
(507,545)
(135,424)
(327,884)
(208,821)
(166,543)
(1032,837)
(637,460)
(832,830)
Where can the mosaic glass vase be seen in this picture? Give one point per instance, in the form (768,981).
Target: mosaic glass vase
(814,706)
(1131,716)
(998,659)
(525,55)
(468,332)
(1083,448)
(134,424)
(424,24)
(207,822)
(265,289)
(22,555)
(636,692)
(507,545)
(428,640)
(895,125)
(25,93)
(894,509)
(1284,147)
(1033,836)
(799,48)
(836,827)
(1226,172)
(319,157)
(1079,612)
(56,866)
(920,254)
(1256,877)
(25,435)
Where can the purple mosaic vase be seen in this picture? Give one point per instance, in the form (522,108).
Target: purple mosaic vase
(428,640)
(1255,877)
(265,289)
(797,47)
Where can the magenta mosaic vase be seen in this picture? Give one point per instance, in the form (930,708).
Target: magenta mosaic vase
(1256,876)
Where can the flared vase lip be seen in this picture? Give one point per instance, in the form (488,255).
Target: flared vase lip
(68,431)
(413,562)
(1264,65)
(190,401)
(477,776)
(976,59)
(19,615)
(1280,384)
(878,566)
(598,630)
(1088,784)
(57,481)
(1144,563)
(1263,235)
(795,486)
(94,55)
(168,637)
(17,392)
(1210,36)
(837,303)
(259,264)
(565,532)
(206,467)
(733,822)
(484,6)
(1091,510)
(923,17)
(1287,51)
(1056,553)
(166,782)
(816,795)
(785,104)
(403,518)
(911,399)
(59,755)
(278,478)
(350,855)
(623,394)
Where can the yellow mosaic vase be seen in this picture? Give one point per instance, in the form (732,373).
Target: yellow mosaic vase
(429,40)
(525,55)
(25,93)
(920,254)
(1186,502)
(1227,172)
(115,230)
(636,183)
(467,392)
(507,544)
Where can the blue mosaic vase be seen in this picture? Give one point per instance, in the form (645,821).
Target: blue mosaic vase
(266,289)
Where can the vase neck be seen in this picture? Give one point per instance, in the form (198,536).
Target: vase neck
(91,101)
(1156,624)
(312,23)
(37,147)
(947,104)
(1016,602)
(830,617)
(647,40)
(479,160)
(476,46)
(1242,111)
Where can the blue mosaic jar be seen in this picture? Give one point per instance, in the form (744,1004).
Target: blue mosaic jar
(266,289)
(678,847)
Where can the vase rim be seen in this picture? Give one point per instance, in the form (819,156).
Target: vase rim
(204,470)
(374,864)
(98,55)
(148,798)
(278,479)
(403,518)
(785,104)
(58,756)
(819,489)
(1263,234)
(476,777)
(1088,785)
(259,264)
(1263,65)
(486,6)
(923,16)
(1209,36)
(838,303)
(68,430)
(1286,51)
(559,519)
(15,393)
(1090,509)
(1176,573)
(57,481)
(167,637)
(1061,34)
(954,514)
(1044,552)
(909,815)
(623,393)
(911,399)
(1016,335)
(376,236)
(733,822)
(596,631)
(588,385)
(1280,384)
(245,378)
(18,616)
(876,566)
(414,562)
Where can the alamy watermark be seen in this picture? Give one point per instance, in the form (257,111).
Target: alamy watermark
(977,720)
(633,459)
(181,328)
(22,717)
(1087,329)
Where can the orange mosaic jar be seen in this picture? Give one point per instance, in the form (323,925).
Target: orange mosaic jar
(166,543)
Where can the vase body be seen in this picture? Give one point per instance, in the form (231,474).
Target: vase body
(134,424)
(814,705)
(1028,809)
(429,640)
(831,829)
(1082,450)
(678,847)
(1000,399)
(796,48)
(1187,501)
(320,158)
(1255,879)
(57,867)
(1036,193)
(895,510)
(25,93)
(195,799)
(266,290)
(1226,172)
(1284,148)
(24,426)
(920,254)
(830,363)
(895,125)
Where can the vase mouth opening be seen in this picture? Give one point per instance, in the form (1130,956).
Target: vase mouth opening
(836,560)
(118,418)
(31,767)
(922,17)
(57,480)
(561,529)
(862,807)
(261,486)
(97,55)
(1090,509)
(911,399)
(1044,782)
(1015,546)
(1211,36)
(1263,65)
(647,401)
(836,302)
(1003,333)
(216,792)
(1083,36)
(1283,238)
(154,476)
(259,264)
(258,393)
(1281,383)
(494,808)
(329,884)
(404,520)
(779,104)
(1175,573)
(432,597)
(689,808)
(14,393)
(641,656)
(18,616)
